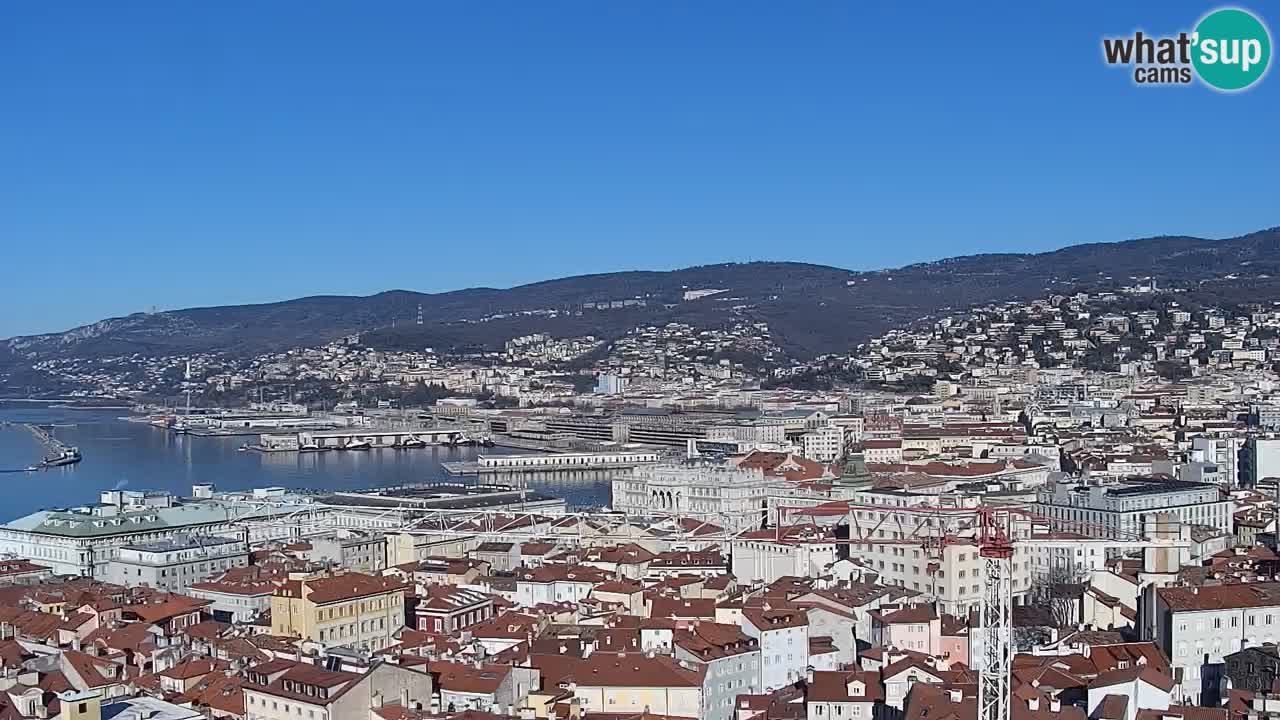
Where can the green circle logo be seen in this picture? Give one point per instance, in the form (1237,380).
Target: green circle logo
(1232,49)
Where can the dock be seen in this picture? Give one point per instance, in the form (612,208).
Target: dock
(549,463)
(60,453)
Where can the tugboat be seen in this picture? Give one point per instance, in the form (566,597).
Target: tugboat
(69,456)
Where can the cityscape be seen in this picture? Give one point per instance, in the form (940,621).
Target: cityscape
(567,361)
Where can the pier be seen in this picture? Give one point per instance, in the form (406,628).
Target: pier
(60,453)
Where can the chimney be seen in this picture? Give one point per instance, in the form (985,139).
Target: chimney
(956,695)
(1033,704)
(404,698)
(808,676)
(1055,705)
(377,699)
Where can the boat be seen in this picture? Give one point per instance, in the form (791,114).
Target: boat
(357,445)
(69,456)
(243,448)
(312,447)
(413,442)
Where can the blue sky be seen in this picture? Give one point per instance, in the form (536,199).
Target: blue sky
(182,154)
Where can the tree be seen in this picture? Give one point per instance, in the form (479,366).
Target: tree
(1060,591)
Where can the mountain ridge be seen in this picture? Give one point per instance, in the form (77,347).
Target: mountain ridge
(811,308)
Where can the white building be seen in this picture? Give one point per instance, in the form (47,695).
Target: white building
(83,541)
(798,551)
(722,494)
(176,564)
(1198,626)
(1121,508)
(824,444)
(783,634)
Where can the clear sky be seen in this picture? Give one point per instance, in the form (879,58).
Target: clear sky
(179,154)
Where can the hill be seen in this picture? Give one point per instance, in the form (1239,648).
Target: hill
(811,309)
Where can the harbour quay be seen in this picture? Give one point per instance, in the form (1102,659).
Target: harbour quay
(552,462)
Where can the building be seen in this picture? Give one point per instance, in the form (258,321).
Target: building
(82,541)
(634,683)
(340,610)
(239,595)
(1254,669)
(793,551)
(849,694)
(722,494)
(1198,627)
(825,444)
(1120,508)
(730,659)
(882,451)
(783,634)
(608,384)
(365,552)
(176,564)
(288,690)
(20,571)
(448,609)
(1259,458)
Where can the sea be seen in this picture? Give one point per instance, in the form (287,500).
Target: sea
(119,454)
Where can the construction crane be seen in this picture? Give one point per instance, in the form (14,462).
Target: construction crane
(997,531)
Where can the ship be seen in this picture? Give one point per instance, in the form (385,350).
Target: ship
(356,444)
(69,456)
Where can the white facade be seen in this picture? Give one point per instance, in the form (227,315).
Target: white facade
(784,652)
(766,560)
(727,496)
(1121,509)
(824,444)
(1213,622)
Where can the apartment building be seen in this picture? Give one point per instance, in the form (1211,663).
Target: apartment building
(348,609)
(826,444)
(287,690)
(633,683)
(176,564)
(1197,627)
(783,634)
(1119,509)
(448,609)
(731,660)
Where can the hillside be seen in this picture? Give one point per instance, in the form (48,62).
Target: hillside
(811,309)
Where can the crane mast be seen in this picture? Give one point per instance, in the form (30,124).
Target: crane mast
(995,626)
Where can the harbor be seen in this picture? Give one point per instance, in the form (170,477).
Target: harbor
(121,454)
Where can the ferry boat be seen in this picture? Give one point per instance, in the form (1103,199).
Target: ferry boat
(69,456)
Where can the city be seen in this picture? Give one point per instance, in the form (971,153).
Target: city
(639,361)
